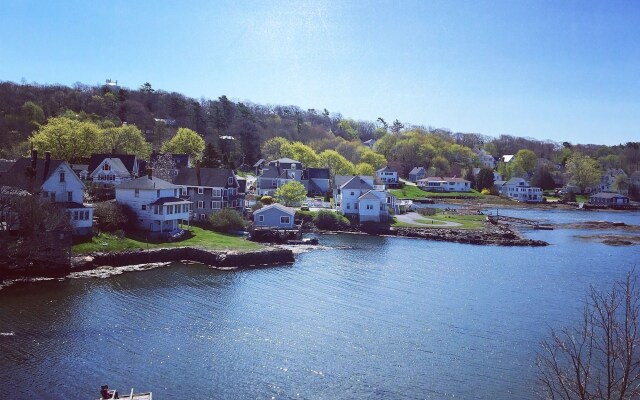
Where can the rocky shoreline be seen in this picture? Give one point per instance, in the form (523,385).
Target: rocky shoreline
(499,236)
(216,259)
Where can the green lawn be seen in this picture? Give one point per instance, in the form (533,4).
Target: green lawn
(465,221)
(409,193)
(471,193)
(201,238)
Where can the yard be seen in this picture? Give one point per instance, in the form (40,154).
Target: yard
(442,220)
(200,238)
(415,193)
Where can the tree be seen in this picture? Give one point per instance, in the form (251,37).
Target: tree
(365,169)
(526,159)
(110,216)
(300,152)
(600,358)
(372,158)
(211,158)
(185,141)
(272,148)
(584,170)
(542,178)
(441,165)
(622,184)
(226,220)
(484,180)
(68,139)
(291,193)
(164,167)
(337,164)
(146,88)
(126,139)
(397,126)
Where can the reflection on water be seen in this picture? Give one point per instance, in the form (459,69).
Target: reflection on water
(366,317)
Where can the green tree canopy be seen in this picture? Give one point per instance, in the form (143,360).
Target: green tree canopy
(337,164)
(185,141)
(583,170)
(272,148)
(372,158)
(300,152)
(126,139)
(68,139)
(291,193)
(526,159)
(365,169)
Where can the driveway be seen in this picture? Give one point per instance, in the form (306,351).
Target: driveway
(413,217)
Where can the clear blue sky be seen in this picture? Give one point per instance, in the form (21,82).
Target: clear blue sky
(558,70)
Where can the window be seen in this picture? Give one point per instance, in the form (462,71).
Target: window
(348,206)
(353,193)
(75,215)
(136,192)
(284,220)
(61,176)
(230,181)
(216,192)
(170,210)
(200,204)
(106,167)
(215,205)
(200,190)
(175,192)
(158,193)
(184,191)
(224,192)
(144,207)
(273,183)
(369,206)
(69,196)
(260,218)
(203,217)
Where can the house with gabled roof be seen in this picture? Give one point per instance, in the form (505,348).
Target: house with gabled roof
(276,173)
(359,197)
(210,190)
(274,216)
(608,198)
(316,180)
(442,184)
(156,203)
(110,171)
(53,181)
(417,173)
(387,176)
(520,190)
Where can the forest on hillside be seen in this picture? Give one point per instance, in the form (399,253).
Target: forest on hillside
(238,130)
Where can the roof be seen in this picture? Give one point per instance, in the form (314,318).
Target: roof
(166,200)
(80,167)
(415,170)
(18,175)
(340,180)
(369,196)
(356,182)
(146,183)
(386,169)
(442,179)
(608,195)
(70,204)
(128,160)
(507,157)
(517,181)
(273,172)
(286,160)
(209,177)
(259,163)
(499,183)
(276,206)
(318,173)
(116,163)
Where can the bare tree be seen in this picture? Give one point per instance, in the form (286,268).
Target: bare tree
(599,359)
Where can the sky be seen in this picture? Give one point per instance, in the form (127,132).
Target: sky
(551,70)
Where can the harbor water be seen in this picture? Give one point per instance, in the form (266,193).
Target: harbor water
(359,317)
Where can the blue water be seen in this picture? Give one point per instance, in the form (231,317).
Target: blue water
(364,317)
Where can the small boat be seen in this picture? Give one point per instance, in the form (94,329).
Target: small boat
(303,241)
(136,396)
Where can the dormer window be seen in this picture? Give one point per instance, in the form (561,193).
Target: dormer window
(106,167)
(61,176)
(230,181)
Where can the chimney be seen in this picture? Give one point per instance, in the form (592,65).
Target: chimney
(150,173)
(198,172)
(47,165)
(34,159)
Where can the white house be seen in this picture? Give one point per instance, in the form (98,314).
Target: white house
(486,159)
(496,175)
(387,176)
(275,216)
(520,190)
(417,173)
(110,171)
(442,184)
(358,196)
(54,181)
(156,202)
(607,181)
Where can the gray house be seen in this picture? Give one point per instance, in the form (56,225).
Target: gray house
(417,173)
(275,216)
(210,190)
(316,180)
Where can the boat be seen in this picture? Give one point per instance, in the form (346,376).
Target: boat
(303,241)
(136,396)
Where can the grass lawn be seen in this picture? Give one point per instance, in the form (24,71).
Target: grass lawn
(409,193)
(471,193)
(201,238)
(465,221)
(582,198)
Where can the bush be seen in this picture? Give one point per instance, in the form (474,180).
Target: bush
(226,220)
(485,191)
(305,216)
(111,216)
(328,220)
(266,200)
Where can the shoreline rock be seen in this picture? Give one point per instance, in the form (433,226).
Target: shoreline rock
(500,236)
(217,259)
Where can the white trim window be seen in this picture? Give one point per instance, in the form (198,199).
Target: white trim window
(200,204)
(285,219)
(216,192)
(203,217)
(230,180)
(200,190)
(260,218)
(215,205)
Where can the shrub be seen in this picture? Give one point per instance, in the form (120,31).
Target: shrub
(328,220)
(485,191)
(111,216)
(305,216)
(226,220)
(266,200)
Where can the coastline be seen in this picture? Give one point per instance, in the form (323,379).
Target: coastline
(221,259)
